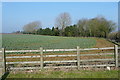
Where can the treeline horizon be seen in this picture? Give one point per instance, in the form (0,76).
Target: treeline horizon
(94,27)
(69,32)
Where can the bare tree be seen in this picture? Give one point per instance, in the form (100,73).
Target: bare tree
(33,26)
(82,26)
(62,21)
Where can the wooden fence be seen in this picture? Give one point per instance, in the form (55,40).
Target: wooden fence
(2,62)
(79,62)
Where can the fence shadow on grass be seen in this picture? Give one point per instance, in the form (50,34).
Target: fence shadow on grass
(5,76)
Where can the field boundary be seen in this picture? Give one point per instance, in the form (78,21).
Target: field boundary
(78,63)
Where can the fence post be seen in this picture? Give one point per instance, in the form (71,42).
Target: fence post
(41,58)
(1,60)
(116,56)
(4,60)
(78,57)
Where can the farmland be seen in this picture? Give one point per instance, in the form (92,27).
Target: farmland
(13,41)
(19,41)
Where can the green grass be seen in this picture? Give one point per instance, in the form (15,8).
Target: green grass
(14,41)
(67,74)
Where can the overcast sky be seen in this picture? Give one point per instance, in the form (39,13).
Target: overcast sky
(16,14)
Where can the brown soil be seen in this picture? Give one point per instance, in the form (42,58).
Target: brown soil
(58,58)
(103,43)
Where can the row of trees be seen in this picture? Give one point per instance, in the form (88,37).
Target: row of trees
(95,27)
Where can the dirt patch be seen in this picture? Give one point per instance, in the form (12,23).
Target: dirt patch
(58,58)
(101,42)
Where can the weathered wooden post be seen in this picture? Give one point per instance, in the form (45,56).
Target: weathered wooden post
(1,60)
(4,60)
(78,57)
(41,58)
(116,56)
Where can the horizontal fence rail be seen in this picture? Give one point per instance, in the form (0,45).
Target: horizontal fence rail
(51,50)
(59,55)
(112,59)
(22,68)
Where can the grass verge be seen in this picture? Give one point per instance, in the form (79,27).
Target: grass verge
(66,74)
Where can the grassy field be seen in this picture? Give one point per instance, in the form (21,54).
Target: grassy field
(14,41)
(19,41)
(66,74)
